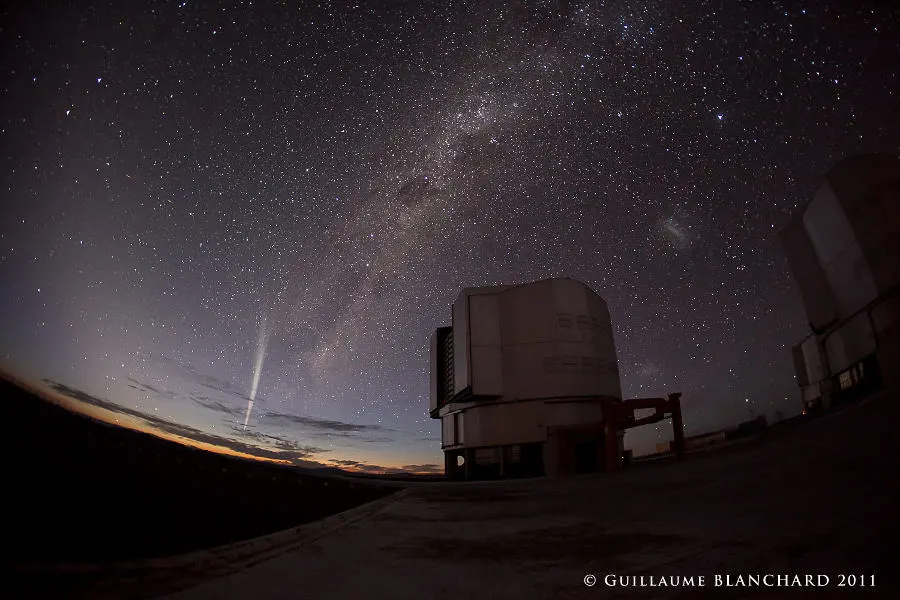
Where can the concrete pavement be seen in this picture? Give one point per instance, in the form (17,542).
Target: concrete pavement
(819,499)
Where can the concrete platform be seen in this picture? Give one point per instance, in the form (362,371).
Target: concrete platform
(818,499)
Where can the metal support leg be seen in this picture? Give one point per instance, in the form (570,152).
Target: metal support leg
(677,424)
(469,463)
(612,447)
(450,468)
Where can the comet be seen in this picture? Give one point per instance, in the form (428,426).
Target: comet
(261,345)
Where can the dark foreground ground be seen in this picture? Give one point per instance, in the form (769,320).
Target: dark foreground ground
(821,498)
(80,491)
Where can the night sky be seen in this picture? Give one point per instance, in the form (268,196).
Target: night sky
(186,185)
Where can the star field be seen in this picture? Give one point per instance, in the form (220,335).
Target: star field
(174,176)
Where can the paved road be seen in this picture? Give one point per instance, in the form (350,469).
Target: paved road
(818,499)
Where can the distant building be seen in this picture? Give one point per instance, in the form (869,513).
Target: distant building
(843,247)
(520,379)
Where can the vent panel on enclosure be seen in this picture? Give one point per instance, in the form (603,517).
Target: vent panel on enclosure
(441,368)
(446,391)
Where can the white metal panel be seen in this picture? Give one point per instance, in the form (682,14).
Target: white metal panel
(808,274)
(828,227)
(850,280)
(858,341)
(507,423)
(886,317)
(812,356)
(879,232)
(528,313)
(601,331)
(798,248)
(800,369)
(558,371)
(524,421)
(572,413)
(462,330)
(564,349)
(484,319)
(447,432)
(818,299)
(487,370)
(882,249)
(836,353)
(570,296)
(485,339)
(528,370)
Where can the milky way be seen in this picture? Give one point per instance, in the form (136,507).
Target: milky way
(197,193)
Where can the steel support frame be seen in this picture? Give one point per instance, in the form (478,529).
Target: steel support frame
(618,415)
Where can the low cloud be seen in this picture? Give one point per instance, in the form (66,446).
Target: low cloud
(423,468)
(215,405)
(319,424)
(359,466)
(287,449)
(369,468)
(191,373)
(147,388)
(318,427)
